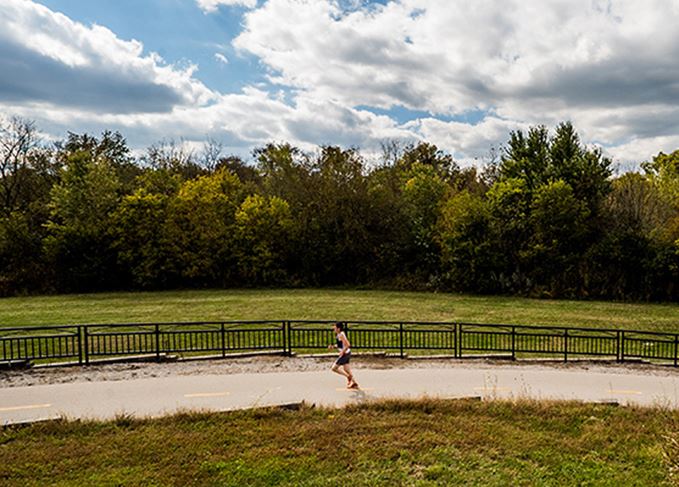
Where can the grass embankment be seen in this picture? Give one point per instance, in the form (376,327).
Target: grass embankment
(391,443)
(330,305)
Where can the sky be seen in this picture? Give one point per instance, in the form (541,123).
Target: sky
(357,73)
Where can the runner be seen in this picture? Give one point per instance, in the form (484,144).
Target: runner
(341,365)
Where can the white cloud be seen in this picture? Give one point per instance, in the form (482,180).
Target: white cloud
(528,61)
(45,57)
(210,6)
(221,58)
(466,142)
(607,65)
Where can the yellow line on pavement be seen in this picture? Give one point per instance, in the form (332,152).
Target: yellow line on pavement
(637,393)
(208,394)
(21,408)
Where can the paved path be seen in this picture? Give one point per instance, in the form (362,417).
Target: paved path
(160,396)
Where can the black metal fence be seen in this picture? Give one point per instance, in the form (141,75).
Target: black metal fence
(86,343)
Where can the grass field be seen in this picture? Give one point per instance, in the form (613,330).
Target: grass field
(392,443)
(330,305)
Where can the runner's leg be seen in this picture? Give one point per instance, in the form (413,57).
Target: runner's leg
(350,376)
(337,369)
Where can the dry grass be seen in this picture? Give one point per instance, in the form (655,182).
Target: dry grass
(389,443)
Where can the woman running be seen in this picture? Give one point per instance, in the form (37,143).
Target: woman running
(341,365)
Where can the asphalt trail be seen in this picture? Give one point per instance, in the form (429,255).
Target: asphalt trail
(153,397)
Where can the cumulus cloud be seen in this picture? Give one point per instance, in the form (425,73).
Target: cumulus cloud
(210,6)
(333,65)
(466,142)
(592,61)
(47,58)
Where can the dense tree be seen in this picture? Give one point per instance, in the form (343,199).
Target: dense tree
(509,204)
(22,266)
(79,243)
(526,157)
(664,171)
(27,173)
(429,155)
(337,224)
(467,253)
(547,218)
(201,227)
(559,233)
(262,230)
(145,248)
(423,192)
(111,147)
(539,159)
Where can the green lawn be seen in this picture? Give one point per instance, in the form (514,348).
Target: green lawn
(392,443)
(330,305)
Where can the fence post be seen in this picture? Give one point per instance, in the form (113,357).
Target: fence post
(622,346)
(455,340)
(223,336)
(288,332)
(157,343)
(400,336)
(285,338)
(513,343)
(80,346)
(458,339)
(676,350)
(86,337)
(565,344)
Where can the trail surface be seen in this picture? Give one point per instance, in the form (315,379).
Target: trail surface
(90,397)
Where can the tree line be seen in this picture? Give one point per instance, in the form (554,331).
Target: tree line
(545,217)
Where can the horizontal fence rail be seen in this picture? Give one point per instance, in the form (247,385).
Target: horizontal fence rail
(86,342)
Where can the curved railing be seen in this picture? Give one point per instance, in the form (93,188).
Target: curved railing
(86,343)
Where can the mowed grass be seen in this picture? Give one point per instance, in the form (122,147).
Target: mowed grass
(330,305)
(427,442)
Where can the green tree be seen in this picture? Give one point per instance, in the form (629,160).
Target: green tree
(143,243)
(110,146)
(636,258)
(527,157)
(411,185)
(262,229)
(425,154)
(664,172)
(22,267)
(423,192)
(80,237)
(509,204)
(27,173)
(391,229)
(201,226)
(539,159)
(559,233)
(467,253)
(338,223)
